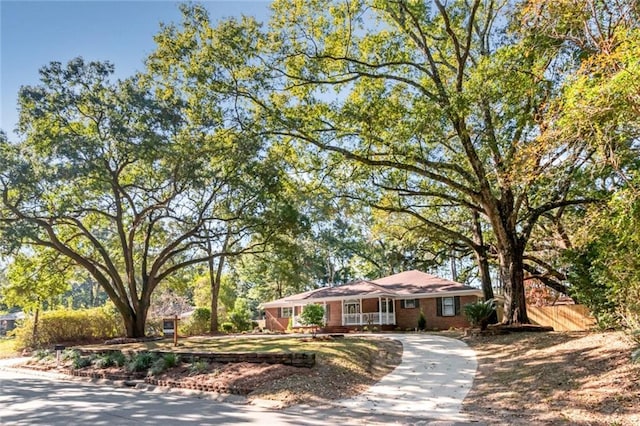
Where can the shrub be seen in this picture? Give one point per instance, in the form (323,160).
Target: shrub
(171,359)
(118,358)
(158,367)
(240,315)
(81,362)
(199,323)
(69,326)
(422,321)
(198,367)
(69,355)
(104,361)
(312,315)
(227,327)
(479,313)
(41,354)
(140,362)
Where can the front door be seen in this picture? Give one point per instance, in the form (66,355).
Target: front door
(351,312)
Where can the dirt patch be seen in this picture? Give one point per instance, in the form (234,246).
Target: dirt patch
(554,378)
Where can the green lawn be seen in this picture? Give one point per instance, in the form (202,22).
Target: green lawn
(7,348)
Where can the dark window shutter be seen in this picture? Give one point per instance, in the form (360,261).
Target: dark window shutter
(457,303)
(402,303)
(439,306)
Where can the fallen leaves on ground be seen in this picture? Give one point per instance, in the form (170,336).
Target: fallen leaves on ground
(555,378)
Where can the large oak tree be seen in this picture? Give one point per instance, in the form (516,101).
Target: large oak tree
(122,179)
(437,99)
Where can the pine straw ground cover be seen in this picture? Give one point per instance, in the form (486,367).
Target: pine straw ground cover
(344,366)
(555,378)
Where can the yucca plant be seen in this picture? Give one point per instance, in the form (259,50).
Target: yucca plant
(478,313)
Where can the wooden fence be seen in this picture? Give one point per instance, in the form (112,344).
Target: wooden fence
(562,317)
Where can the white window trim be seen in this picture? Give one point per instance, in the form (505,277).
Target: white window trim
(452,313)
(289,309)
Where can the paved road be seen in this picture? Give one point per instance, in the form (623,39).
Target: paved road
(426,388)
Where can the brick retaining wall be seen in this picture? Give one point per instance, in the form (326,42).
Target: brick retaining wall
(296,359)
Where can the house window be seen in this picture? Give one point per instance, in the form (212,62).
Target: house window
(286,312)
(409,303)
(448,307)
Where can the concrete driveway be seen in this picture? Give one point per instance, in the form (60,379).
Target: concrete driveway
(428,387)
(435,375)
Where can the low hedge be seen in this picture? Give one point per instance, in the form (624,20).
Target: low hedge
(69,326)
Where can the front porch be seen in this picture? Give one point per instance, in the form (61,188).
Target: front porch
(368,311)
(369,318)
(360,312)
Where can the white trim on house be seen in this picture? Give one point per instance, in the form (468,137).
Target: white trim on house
(432,295)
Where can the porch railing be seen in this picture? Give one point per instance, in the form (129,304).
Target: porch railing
(369,318)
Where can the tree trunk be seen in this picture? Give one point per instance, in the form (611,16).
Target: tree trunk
(135,319)
(214,281)
(36,316)
(135,325)
(454,270)
(482,259)
(512,272)
(215,278)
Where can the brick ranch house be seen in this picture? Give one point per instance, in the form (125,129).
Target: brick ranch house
(389,303)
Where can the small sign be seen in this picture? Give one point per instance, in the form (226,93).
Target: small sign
(168,327)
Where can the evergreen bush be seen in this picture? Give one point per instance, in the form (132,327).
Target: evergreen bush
(479,313)
(198,324)
(422,321)
(104,361)
(312,315)
(198,367)
(81,362)
(140,362)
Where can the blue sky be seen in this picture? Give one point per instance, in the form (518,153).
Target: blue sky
(34,33)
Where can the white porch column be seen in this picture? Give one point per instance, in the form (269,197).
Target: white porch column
(324,306)
(386,310)
(360,301)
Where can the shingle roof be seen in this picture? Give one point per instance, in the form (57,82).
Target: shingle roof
(403,284)
(418,282)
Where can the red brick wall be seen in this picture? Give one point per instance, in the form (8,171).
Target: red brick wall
(405,318)
(408,318)
(369,305)
(335,313)
(273,320)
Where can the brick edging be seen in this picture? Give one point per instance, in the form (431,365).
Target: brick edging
(211,387)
